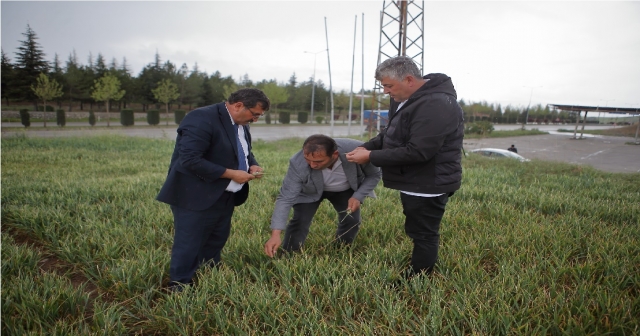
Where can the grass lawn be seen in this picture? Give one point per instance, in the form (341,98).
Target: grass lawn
(526,249)
(625,131)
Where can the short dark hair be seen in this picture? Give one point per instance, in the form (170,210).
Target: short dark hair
(398,68)
(319,142)
(250,97)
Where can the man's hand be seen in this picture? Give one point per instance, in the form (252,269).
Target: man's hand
(238,176)
(360,155)
(353,205)
(272,245)
(256,171)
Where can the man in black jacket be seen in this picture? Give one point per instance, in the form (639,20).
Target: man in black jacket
(419,151)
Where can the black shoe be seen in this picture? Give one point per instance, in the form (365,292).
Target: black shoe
(176,287)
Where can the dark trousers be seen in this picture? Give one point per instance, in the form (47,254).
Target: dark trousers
(422,224)
(199,237)
(298,227)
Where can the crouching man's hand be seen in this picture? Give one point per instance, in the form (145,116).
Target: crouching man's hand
(272,245)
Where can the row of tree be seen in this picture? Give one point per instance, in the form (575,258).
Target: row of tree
(114,86)
(483,111)
(194,87)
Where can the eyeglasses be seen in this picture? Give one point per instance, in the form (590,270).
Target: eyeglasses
(255,115)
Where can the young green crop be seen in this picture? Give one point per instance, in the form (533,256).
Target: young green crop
(541,248)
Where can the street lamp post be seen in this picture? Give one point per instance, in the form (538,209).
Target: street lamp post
(526,117)
(313,86)
(606,104)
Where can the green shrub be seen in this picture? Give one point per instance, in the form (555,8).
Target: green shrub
(25,118)
(479,127)
(303,117)
(178,115)
(319,119)
(61,118)
(284,117)
(153,117)
(92,118)
(126,117)
(49,108)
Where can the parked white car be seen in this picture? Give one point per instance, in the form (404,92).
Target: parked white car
(499,153)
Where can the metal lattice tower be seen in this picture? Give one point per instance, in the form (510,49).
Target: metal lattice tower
(401,34)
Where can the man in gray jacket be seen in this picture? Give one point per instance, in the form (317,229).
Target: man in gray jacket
(321,171)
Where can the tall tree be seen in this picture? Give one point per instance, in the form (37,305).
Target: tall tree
(7,77)
(113,66)
(182,76)
(30,63)
(165,93)
(100,67)
(58,75)
(107,88)
(193,87)
(72,78)
(206,97)
(149,77)
(293,81)
(218,84)
(46,89)
(276,94)
(128,83)
(229,89)
(245,81)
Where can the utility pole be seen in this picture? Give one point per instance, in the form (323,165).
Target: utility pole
(353,64)
(313,86)
(329,62)
(401,34)
(526,117)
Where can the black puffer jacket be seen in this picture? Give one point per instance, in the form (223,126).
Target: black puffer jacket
(420,150)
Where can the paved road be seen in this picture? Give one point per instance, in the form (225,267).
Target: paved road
(611,154)
(606,153)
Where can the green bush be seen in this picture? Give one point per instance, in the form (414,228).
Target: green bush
(284,117)
(153,117)
(49,108)
(126,117)
(61,118)
(178,115)
(478,127)
(92,118)
(319,119)
(25,118)
(303,117)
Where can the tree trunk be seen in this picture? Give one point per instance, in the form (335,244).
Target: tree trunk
(44,112)
(108,113)
(167,107)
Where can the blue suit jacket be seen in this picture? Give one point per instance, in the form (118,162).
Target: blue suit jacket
(205,148)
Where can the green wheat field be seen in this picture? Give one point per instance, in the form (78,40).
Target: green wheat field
(532,248)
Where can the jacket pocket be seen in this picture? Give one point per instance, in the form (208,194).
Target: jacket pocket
(308,187)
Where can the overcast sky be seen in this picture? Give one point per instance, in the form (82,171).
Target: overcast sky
(580,53)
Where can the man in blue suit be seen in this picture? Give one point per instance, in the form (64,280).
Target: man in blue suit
(209,172)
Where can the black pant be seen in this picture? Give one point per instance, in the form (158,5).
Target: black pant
(298,227)
(199,237)
(422,224)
